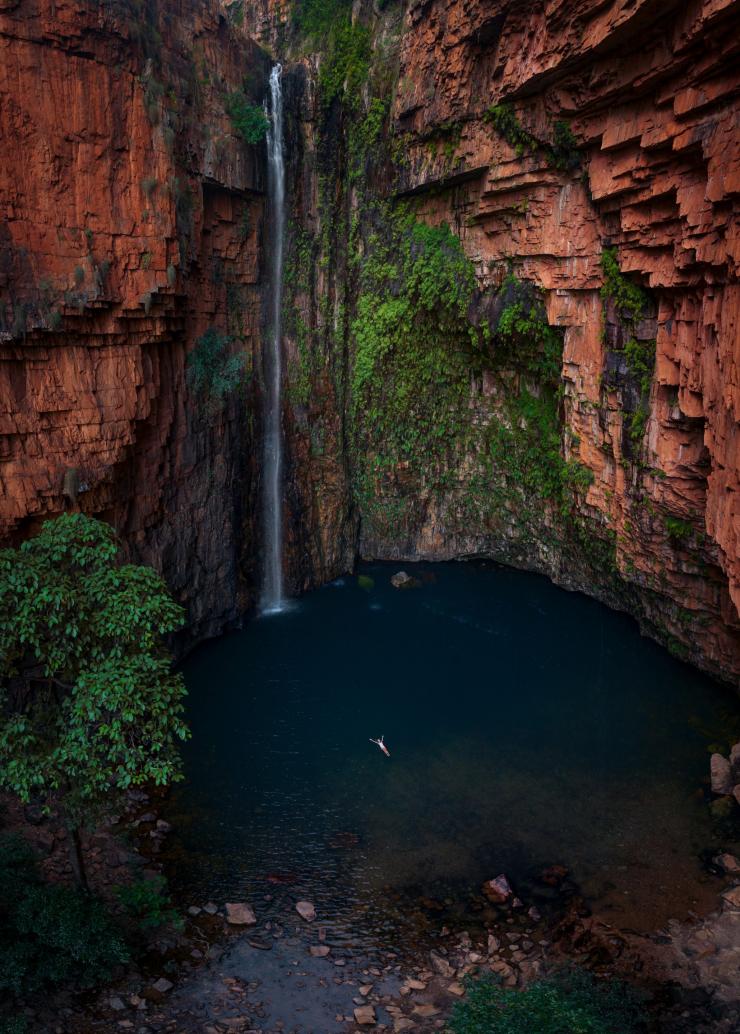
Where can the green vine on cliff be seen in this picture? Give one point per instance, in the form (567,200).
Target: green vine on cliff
(562,152)
(413,342)
(631,302)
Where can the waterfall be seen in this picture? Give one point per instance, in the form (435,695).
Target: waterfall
(272,502)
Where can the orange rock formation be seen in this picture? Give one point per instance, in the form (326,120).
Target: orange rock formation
(132,222)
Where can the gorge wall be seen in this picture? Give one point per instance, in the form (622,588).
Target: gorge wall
(511,303)
(131,225)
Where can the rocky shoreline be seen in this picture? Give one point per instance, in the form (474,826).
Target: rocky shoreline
(232,969)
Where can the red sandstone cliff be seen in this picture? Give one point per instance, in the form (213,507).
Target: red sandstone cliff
(651,94)
(131,221)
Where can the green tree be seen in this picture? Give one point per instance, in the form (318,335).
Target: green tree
(89,705)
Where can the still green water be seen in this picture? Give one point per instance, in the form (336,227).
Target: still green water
(527,726)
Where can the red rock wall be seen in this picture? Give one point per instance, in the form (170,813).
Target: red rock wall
(651,93)
(131,222)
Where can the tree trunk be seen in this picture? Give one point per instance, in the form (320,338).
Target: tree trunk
(75,856)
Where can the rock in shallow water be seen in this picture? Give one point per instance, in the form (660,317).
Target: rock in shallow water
(728,862)
(402,580)
(721,774)
(365,1016)
(498,890)
(306,910)
(239,914)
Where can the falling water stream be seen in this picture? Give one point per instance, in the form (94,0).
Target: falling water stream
(272,590)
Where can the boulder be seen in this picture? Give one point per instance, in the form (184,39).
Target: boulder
(721,772)
(240,914)
(402,580)
(306,910)
(498,890)
(728,862)
(365,1016)
(441,965)
(426,1009)
(732,896)
(163,985)
(320,951)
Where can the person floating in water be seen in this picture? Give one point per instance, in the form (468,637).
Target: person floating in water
(379,743)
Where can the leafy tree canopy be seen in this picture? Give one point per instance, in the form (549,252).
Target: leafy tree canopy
(88,703)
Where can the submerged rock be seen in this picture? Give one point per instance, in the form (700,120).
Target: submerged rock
(402,580)
(728,862)
(498,890)
(239,914)
(721,774)
(732,896)
(306,910)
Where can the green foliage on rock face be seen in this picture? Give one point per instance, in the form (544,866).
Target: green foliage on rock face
(89,705)
(249,120)
(629,299)
(504,120)
(677,529)
(631,303)
(50,934)
(413,343)
(315,18)
(570,1003)
(212,372)
(640,359)
(525,450)
(345,65)
(418,420)
(365,133)
(524,336)
(561,153)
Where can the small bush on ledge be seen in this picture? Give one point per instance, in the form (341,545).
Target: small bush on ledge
(249,120)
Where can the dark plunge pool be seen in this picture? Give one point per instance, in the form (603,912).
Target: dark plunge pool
(528,726)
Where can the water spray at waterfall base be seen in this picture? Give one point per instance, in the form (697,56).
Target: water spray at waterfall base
(272,600)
